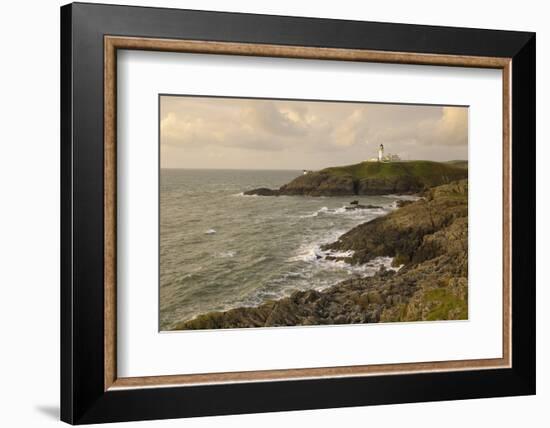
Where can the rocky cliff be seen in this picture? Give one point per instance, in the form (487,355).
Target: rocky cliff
(427,238)
(370,178)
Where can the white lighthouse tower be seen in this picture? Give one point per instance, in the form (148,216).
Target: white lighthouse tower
(381,153)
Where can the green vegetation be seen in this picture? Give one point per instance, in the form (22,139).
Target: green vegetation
(427,172)
(458,163)
(446,305)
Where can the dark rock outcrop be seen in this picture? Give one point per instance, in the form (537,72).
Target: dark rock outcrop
(361,207)
(262,191)
(320,184)
(401,233)
(402,203)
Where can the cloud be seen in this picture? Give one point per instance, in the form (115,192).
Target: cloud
(256,125)
(268,118)
(190,130)
(452,128)
(302,130)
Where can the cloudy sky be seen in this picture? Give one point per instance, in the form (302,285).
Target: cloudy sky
(205,132)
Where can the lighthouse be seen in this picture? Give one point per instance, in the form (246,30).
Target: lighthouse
(381,153)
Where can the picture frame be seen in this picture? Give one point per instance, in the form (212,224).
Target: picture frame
(91,35)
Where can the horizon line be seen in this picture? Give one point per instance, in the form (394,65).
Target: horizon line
(301,169)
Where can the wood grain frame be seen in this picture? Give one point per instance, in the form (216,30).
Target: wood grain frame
(113,43)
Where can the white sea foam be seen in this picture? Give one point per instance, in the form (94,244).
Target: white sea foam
(245,196)
(307,277)
(307,253)
(339,254)
(367,269)
(403,197)
(311,251)
(227,254)
(345,210)
(332,260)
(316,213)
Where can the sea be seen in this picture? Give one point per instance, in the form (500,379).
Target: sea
(220,249)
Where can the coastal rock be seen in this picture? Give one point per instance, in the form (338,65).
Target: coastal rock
(401,233)
(384,186)
(362,207)
(428,236)
(320,184)
(262,191)
(403,202)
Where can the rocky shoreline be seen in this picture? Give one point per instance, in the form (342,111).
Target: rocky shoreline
(369,178)
(427,238)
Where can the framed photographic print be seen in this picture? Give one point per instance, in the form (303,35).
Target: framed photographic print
(265,213)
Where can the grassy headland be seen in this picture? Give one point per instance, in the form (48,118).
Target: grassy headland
(370,178)
(458,163)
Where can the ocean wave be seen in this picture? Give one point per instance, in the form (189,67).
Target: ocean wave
(241,194)
(311,250)
(313,254)
(403,197)
(316,213)
(311,276)
(227,254)
(345,210)
(367,269)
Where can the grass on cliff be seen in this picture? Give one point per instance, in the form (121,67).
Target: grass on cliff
(445,302)
(428,172)
(458,163)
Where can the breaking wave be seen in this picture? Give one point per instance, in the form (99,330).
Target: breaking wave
(350,211)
